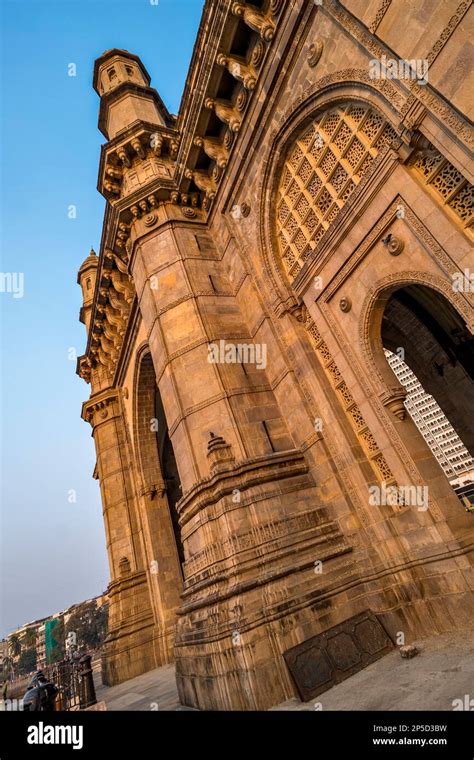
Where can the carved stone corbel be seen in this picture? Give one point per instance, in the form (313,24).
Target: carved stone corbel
(203,181)
(214,149)
(114,173)
(255,19)
(173,147)
(115,315)
(110,331)
(393,399)
(122,154)
(138,148)
(225,112)
(120,263)
(156,143)
(122,285)
(239,70)
(112,187)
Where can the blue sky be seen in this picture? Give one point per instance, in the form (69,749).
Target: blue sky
(53,551)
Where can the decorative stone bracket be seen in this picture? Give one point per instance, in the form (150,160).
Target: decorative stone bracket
(393,399)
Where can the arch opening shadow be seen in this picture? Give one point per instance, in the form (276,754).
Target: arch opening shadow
(431,351)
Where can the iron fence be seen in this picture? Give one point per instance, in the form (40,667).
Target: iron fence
(75,682)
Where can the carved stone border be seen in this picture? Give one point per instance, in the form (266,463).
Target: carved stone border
(382,10)
(417,226)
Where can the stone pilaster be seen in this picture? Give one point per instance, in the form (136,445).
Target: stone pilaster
(129,648)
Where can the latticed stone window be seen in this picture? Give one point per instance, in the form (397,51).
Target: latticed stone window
(322,169)
(447,182)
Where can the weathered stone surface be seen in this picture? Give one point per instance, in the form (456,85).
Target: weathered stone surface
(312,183)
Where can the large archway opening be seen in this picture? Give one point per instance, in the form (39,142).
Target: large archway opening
(159,470)
(169,470)
(431,351)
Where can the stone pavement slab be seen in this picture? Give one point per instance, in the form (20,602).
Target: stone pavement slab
(155,690)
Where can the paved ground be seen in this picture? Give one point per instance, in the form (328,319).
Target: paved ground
(441,672)
(155,690)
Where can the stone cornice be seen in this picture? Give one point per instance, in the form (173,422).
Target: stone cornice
(170,174)
(218,26)
(140,141)
(97,408)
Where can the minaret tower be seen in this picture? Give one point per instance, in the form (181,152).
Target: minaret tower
(86,278)
(123,85)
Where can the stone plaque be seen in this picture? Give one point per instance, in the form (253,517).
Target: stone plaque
(329,658)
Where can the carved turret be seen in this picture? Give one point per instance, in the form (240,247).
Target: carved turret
(86,278)
(123,84)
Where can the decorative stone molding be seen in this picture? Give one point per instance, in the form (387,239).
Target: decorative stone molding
(381,11)
(292,525)
(393,244)
(242,475)
(315,51)
(433,103)
(219,454)
(289,306)
(448,30)
(354,415)
(100,407)
(393,399)
(155,148)
(345,304)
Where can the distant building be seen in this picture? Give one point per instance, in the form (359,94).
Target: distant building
(3,649)
(26,636)
(439,434)
(41,647)
(40,629)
